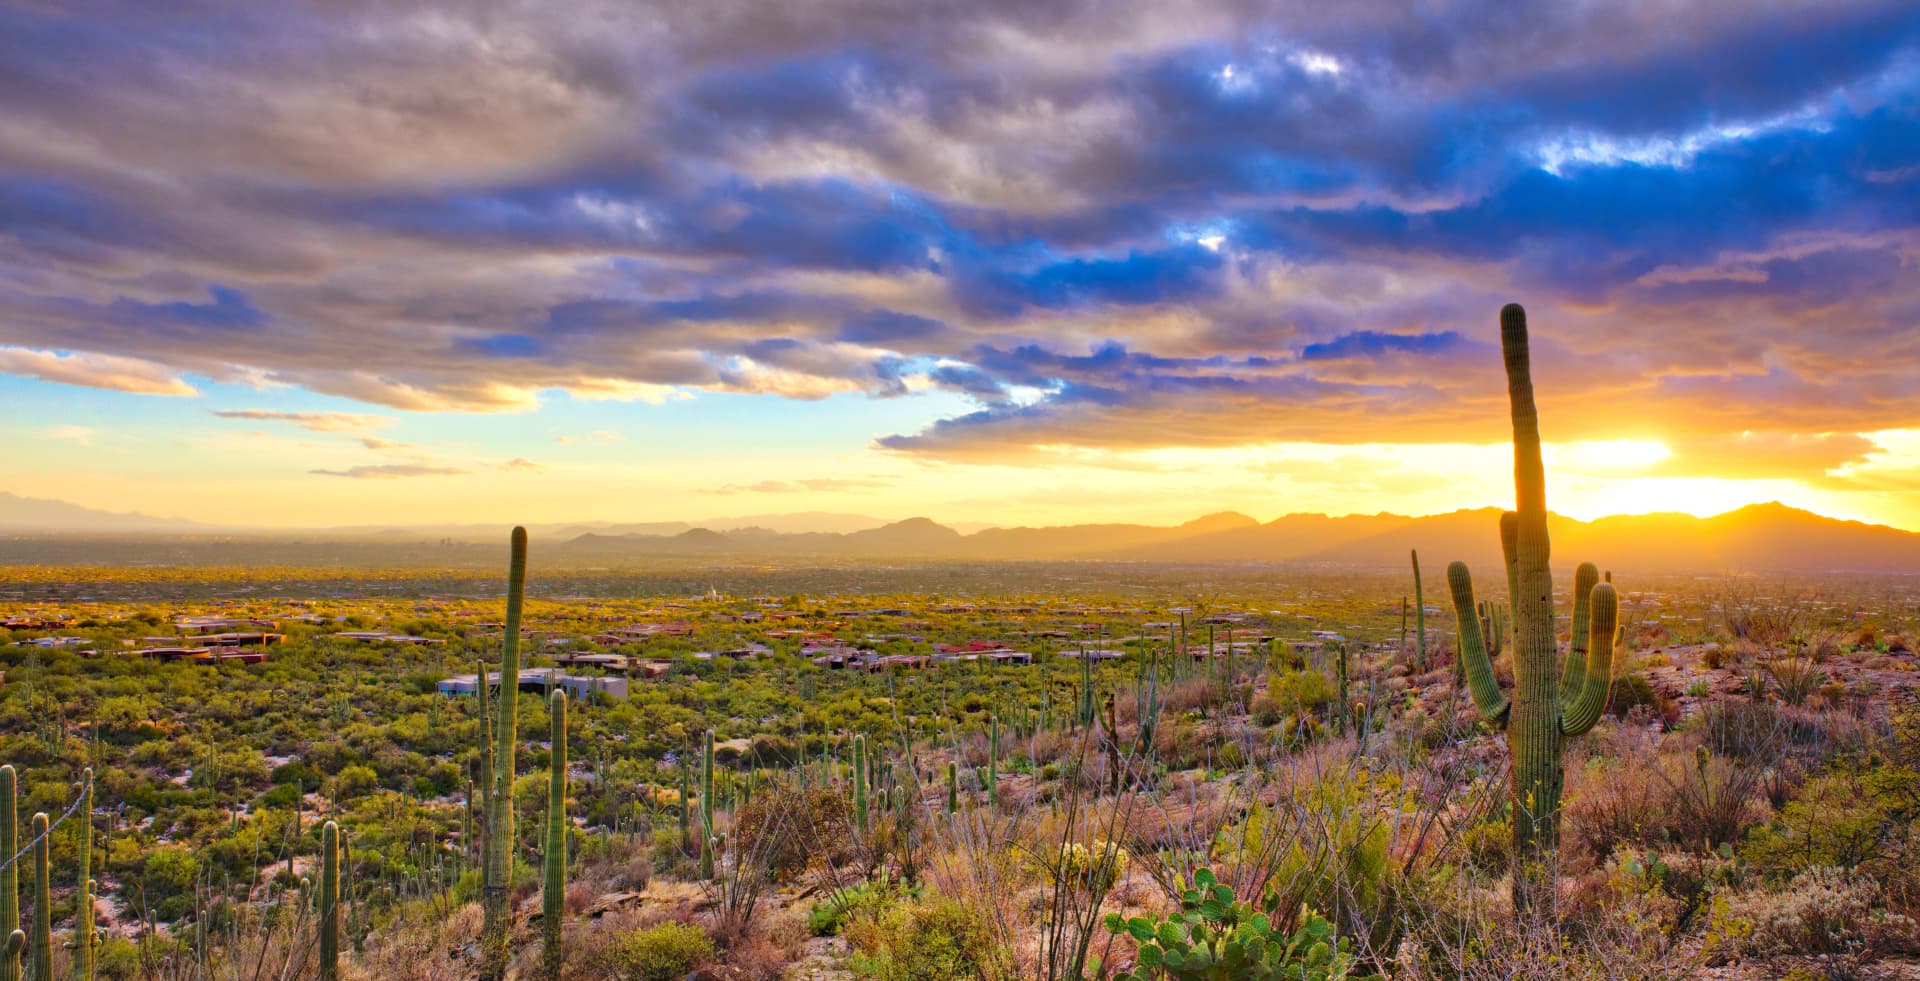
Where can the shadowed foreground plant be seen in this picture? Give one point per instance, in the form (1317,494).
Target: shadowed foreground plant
(1216,937)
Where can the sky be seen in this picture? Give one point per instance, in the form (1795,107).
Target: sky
(1007,262)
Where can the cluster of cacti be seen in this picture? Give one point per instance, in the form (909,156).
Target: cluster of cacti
(1551,700)
(553,897)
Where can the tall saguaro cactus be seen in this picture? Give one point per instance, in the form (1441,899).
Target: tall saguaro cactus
(1537,718)
(10,875)
(83,908)
(553,896)
(706,809)
(329,902)
(499,822)
(40,941)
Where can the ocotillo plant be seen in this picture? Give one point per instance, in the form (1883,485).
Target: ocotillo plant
(83,909)
(499,819)
(10,875)
(40,947)
(329,902)
(553,897)
(706,809)
(1535,719)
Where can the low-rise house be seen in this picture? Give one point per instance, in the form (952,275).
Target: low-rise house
(387,637)
(577,686)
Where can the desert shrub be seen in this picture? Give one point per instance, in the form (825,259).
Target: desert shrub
(663,952)
(789,828)
(1823,910)
(1304,690)
(933,940)
(1795,678)
(826,917)
(1489,846)
(1840,819)
(1631,689)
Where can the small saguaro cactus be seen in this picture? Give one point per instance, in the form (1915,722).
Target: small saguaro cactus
(860,785)
(40,948)
(706,809)
(1538,717)
(993,762)
(953,787)
(498,878)
(329,902)
(1420,612)
(553,896)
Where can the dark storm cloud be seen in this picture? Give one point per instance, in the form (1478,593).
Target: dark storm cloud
(1189,222)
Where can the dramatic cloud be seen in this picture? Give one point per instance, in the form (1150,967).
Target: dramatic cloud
(392,471)
(94,371)
(1094,226)
(319,422)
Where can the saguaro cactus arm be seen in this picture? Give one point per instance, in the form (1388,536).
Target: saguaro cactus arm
(1473,651)
(1574,674)
(1590,698)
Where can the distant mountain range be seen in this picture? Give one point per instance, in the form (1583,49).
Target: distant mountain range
(1758,538)
(1763,537)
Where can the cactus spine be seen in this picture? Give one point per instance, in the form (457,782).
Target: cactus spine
(706,809)
(553,897)
(1536,719)
(10,875)
(499,817)
(40,950)
(329,902)
(83,911)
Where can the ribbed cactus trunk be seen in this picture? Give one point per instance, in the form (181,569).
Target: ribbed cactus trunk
(499,846)
(1533,733)
(706,809)
(330,902)
(83,908)
(1419,613)
(486,762)
(953,787)
(40,941)
(553,897)
(1537,718)
(1341,684)
(10,875)
(686,806)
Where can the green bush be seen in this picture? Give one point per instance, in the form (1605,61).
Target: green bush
(663,952)
(937,940)
(1216,937)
